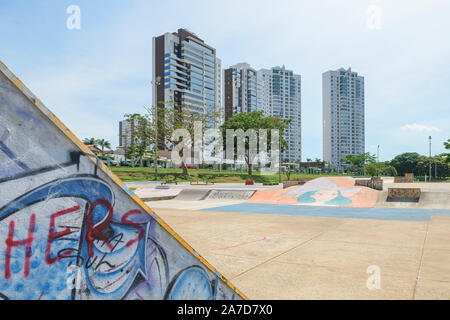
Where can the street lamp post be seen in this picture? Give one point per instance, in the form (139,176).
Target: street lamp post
(429,138)
(279,160)
(156,83)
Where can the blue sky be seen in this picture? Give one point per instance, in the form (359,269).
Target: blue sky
(91,77)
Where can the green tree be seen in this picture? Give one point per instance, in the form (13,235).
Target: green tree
(374,169)
(406,163)
(442,166)
(389,170)
(168,119)
(357,162)
(439,166)
(103,144)
(447,146)
(142,137)
(91,141)
(255,120)
(172,117)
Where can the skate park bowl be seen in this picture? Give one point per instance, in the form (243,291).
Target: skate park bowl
(317,195)
(71,230)
(325,197)
(323,191)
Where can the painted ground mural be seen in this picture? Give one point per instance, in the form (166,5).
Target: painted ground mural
(69,229)
(324,191)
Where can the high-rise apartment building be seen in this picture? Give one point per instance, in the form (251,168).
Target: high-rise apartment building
(189,73)
(241,89)
(275,91)
(280,96)
(126,131)
(343,115)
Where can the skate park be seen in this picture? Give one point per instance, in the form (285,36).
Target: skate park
(264,238)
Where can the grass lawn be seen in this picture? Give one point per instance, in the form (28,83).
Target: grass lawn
(171,175)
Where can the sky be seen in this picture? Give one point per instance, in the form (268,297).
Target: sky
(90,77)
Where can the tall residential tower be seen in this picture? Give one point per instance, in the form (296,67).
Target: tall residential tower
(241,89)
(190,73)
(275,91)
(280,92)
(343,115)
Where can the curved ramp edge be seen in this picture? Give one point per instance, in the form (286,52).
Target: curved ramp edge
(192,194)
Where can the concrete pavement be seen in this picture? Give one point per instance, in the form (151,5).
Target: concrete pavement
(276,251)
(276,256)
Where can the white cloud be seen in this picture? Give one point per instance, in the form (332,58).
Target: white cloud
(419,128)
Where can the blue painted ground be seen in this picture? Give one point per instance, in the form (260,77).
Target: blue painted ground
(333,212)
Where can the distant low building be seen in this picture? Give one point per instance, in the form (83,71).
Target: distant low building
(94,149)
(312,164)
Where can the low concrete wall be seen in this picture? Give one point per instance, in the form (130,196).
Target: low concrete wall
(404,194)
(289,183)
(374,183)
(408,178)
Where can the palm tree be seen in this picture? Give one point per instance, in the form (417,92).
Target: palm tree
(92,141)
(103,144)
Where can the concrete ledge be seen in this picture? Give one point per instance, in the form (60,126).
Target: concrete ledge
(408,178)
(157,198)
(374,183)
(288,183)
(403,195)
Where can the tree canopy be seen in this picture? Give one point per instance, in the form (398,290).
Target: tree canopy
(358,161)
(406,163)
(255,120)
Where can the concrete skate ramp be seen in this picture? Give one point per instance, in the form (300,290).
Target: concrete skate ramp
(70,229)
(403,195)
(230,194)
(427,200)
(323,191)
(192,194)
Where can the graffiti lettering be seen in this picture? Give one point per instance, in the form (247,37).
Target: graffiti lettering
(10,243)
(52,235)
(135,225)
(95,232)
